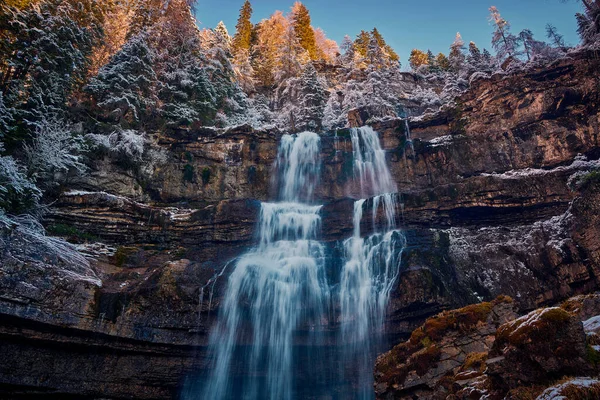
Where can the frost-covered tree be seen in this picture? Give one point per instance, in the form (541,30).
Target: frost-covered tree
(588,22)
(118,17)
(387,49)
(313,98)
(474,57)
(123,90)
(456,56)
(18,194)
(244,72)
(503,41)
(44,54)
(327,49)
(290,57)
(556,39)
(55,149)
(144,15)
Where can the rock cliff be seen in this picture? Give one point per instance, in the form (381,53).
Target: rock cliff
(495,194)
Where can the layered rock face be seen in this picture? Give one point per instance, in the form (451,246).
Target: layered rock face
(484,199)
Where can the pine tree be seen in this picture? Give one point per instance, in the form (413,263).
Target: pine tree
(242,39)
(375,55)
(504,42)
(418,58)
(290,57)
(300,18)
(270,37)
(588,22)
(123,90)
(222,35)
(347,49)
(44,54)
(442,62)
(361,44)
(313,98)
(474,57)
(529,44)
(457,56)
(555,37)
(432,62)
(6,119)
(389,52)
(145,14)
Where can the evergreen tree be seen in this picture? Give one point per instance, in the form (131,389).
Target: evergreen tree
(432,62)
(529,44)
(442,62)
(474,56)
(144,15)
(504,42)
(290,57)
(387,49)
(271,34)
(456,57)
(588,22)
(555,37)
(313,98)
(361,44)
(375,54)
(123,90)
(302,26)
(418,58)
(242,39)
(44,54)
(347,49)
(222,35)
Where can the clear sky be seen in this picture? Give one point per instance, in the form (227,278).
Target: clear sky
(407,24)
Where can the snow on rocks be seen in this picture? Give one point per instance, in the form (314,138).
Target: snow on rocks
(579,163)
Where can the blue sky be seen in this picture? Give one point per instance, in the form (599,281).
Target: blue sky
(406,24)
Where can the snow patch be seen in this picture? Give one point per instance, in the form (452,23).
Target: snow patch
(579,163)
(555,392)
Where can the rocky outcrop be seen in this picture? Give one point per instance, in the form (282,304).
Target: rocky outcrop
(439,347)
(484,351)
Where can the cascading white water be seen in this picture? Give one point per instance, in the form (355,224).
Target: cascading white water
(372,263)
(277,288)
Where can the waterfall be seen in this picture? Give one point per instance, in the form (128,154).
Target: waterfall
(276,289)
(276,313)
(372,263)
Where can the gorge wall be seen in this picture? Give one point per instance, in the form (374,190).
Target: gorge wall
(488,198)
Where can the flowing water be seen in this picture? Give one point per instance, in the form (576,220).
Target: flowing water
(277,289)
(373,262)
(278,294)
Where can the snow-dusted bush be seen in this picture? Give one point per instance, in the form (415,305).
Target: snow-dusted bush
(127,145)
(426,97)
(54,149)
(17,193)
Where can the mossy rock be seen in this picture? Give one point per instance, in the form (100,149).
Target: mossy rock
(539,324)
